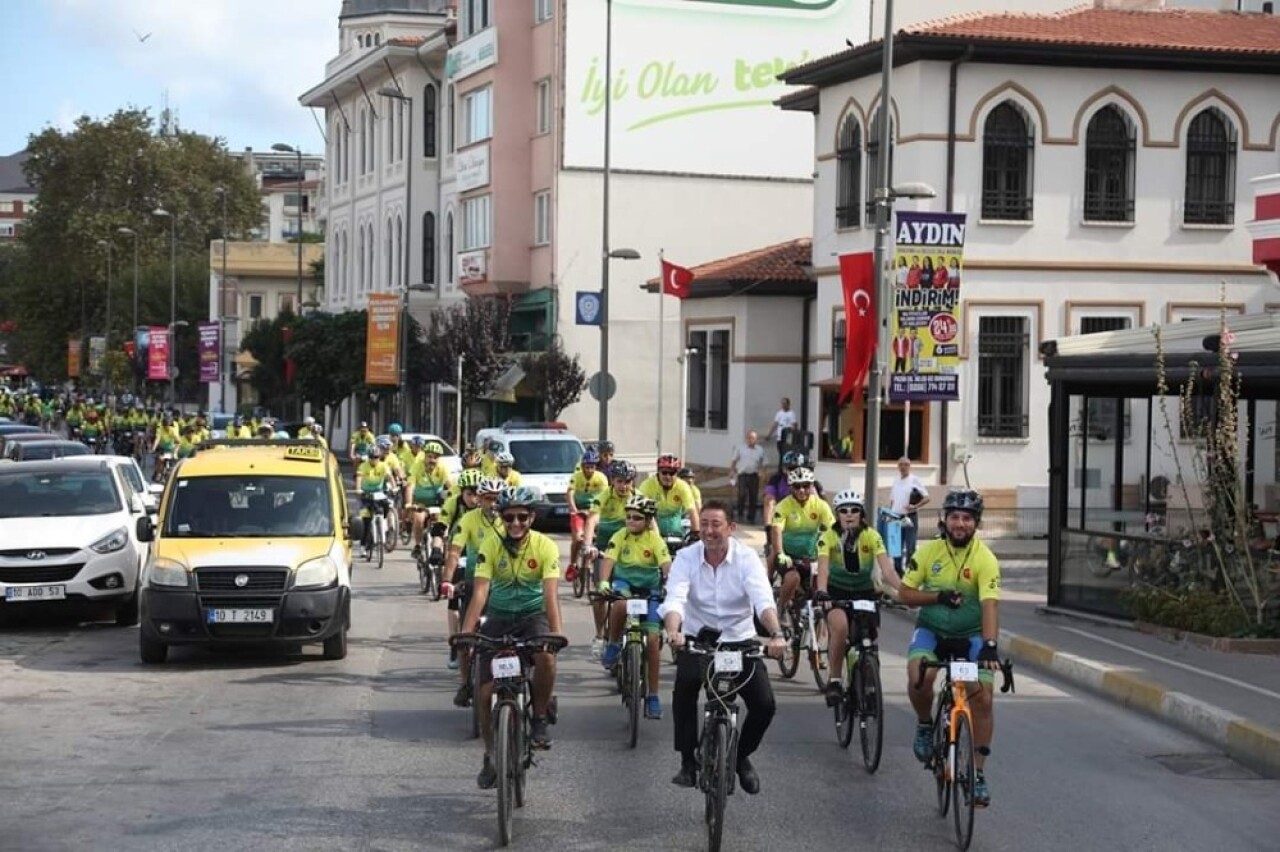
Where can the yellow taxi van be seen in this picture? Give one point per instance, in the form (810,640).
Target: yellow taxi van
(252,545)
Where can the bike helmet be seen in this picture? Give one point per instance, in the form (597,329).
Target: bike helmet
(520,496)
(396,429)
(416,441)
(622,470)
(590,456)
(792,459)
(433,447)
(800,476)
(669,462)
(470,458)
(504,459)
(491,486)
(470,478)
(603,447)
(687,474)
(848,497)
(643,505)
(963,501)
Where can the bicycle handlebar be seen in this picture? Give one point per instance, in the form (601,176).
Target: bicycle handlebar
(1006,672)
(750,648)
(550,642)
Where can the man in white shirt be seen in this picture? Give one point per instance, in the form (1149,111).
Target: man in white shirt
(719,583)
(744,471)
(906,496)
(783,420)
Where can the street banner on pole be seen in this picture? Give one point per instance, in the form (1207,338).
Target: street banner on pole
(73,358)
(383,340)
(158,354)
(97,351)
(210,346)
(925,320)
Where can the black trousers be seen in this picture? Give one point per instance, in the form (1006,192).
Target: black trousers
(756,694)
(748,497)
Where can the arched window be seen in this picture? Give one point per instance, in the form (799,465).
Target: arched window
(849,174)
(873,161)
(1110,146)
(1211,170)
(360,260)
(429,111)
(448,248)
(428,248)
(453,119)
(1007,146)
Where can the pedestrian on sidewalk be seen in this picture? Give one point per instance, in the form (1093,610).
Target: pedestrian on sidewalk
(783,420)
(906,496)
(745,465)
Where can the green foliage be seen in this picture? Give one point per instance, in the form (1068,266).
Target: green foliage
(557,379)
(265,342)
(328,350)
(1195,611)
(478,330)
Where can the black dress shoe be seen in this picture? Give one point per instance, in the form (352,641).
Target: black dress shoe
(687,776)
(747,777)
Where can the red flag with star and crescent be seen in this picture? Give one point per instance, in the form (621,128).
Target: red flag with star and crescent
(676,280)
(857,278)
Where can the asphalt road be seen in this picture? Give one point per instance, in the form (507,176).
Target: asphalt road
(259,751)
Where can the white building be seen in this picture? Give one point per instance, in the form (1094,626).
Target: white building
(1103,159)
(285,188)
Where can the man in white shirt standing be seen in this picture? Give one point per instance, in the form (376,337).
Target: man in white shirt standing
(783,420)
(906,496)
(744,471)
(719,583)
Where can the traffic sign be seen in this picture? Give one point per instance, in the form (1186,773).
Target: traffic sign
(590,306)
(605,381)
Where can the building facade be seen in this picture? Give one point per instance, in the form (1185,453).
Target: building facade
(17,197)
(1103,159)
(286,193)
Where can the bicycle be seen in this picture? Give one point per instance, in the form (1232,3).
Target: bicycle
(862,700)
(513,749)
(374,509)
(951,760)
(582,574)
(801,632)
(632,668)
(718,741)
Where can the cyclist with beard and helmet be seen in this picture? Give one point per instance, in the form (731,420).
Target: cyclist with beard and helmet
(955,580)
(517,575)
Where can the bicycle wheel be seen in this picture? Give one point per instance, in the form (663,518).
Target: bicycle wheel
(634,700)
(963,775)
(817,658)
(424,577)
(717,787)
(580,579)
(504,759)
(938,760)
(844,718)
(392,524)
(522,751)
(870,711)
(379,540)
(789,662)
(475,696)
(433,571)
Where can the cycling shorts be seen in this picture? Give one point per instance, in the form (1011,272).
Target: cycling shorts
(927,645)
(520,627)
(577,523)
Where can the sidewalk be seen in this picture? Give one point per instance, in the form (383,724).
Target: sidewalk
(1229,700)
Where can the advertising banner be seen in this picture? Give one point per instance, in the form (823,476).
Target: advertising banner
(383,341)
(693,79)
(73,358)
(924,346)
(210,351)
(158,354)
(97,351)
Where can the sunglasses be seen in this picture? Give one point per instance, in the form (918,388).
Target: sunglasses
(849,510)
(636,518)
(517,517)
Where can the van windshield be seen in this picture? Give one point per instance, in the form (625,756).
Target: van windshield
(558,455)
(249,507)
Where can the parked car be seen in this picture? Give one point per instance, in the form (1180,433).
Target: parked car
(67,536)
(43,449)
(7,441)
(452,461)
(545,454)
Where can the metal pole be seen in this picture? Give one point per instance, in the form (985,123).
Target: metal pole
(884,201)
(458,413)
(297,305)
(684,395)
(134,328)
(408,230)
(107,343)
(222,328)
(604,258)
(173,301)
(662,365)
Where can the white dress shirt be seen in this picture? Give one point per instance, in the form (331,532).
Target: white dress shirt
(722,598)
(900,492)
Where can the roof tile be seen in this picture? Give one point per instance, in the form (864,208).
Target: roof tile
(781,263)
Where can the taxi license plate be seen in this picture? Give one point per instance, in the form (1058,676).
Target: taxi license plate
(24,594)
(240,616)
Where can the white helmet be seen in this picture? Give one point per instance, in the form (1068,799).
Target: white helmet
(800,476)
(491,486)
(503,459)
(848,497)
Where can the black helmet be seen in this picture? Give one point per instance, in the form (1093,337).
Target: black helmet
(622,470)
(963,501)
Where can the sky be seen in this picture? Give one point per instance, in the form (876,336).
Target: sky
(232,68)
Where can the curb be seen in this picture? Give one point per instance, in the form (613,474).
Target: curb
(1249,743)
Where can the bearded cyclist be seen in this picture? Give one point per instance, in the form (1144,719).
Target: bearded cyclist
(607,517)
(799,520)
(586,487)
(672,496)
(469,533)
(955,580)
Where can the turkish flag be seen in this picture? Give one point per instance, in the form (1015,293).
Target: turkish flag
(857,278)
(676,280)
(290,369)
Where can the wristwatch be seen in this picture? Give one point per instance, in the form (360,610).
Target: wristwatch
(775,635)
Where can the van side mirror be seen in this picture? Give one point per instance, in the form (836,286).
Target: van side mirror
(146,529)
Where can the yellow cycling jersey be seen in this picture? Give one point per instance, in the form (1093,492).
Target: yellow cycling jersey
(638,559)
(516,579)
(674,503)
(475,526)
(612,516)
(587,490)
(372,475)
(973,571)
(842,575)
(512,480)
(802,523)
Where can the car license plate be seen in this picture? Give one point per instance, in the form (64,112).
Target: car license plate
(505,667)
(240,616)
(728,662)
(23,594)
(964,671)
(637,606)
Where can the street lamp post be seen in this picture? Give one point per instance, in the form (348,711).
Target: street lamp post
(130,232)
(160,212)
(218,300)
(283,148)
(396,95)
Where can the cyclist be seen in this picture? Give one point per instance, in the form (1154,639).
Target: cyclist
(640,556)
(400,446)
(362,442)
(673,497)
(372,477)
(799,520)
(428,487)
(451,514)
(469,534)
(955,580)
(516,578)
(846,556)
(586,487)
(489,459)
(239,429)
(311,429)
(504,468)
(188,442)
(691,479)
(607,517)
(166,442)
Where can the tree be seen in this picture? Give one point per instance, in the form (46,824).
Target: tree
(328,350)
(479,331)
(558,379)
(265,341)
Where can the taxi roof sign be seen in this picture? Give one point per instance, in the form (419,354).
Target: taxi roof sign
(300,452)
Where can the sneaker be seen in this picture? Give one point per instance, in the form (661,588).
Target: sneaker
(748,778)
(688,774)
(981,795)
(417,552)
(462,698)
(923,745)
(611,653)
(539,734)
(453,664)
(488,777)
(835,693)
(653,707)
(597,648)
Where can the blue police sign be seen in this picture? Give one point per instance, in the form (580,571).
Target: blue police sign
(590,306)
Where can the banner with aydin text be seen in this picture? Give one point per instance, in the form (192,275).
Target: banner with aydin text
(210,344)
(383,339)
(158,354)
(925,323)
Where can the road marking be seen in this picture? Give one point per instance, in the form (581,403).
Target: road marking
(1185,666)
